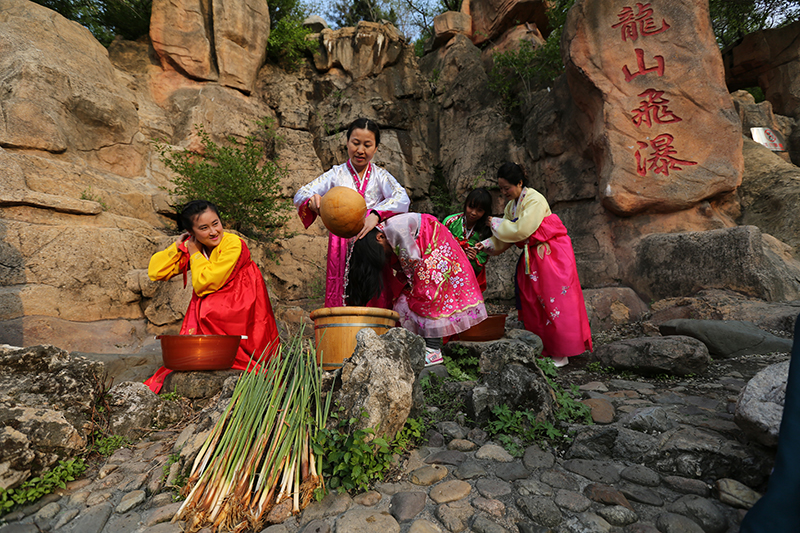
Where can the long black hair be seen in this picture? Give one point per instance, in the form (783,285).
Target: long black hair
(365,124)
(191,210)
(512,173)
(480,198)
(365,280)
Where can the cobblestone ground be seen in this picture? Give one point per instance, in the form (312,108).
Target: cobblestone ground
(460,481)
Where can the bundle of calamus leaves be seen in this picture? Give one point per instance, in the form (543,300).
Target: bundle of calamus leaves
(259,452)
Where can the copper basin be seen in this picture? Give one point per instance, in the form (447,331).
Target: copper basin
(490,329)
(199,352)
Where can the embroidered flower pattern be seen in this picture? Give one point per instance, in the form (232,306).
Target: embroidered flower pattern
(564,289)
(534,275)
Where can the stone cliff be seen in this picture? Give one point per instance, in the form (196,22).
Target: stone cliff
(638,148)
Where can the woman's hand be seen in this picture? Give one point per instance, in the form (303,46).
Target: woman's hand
(472,252)
(478,247)
(369,224)
(182,237)
(191,245)
(314,202)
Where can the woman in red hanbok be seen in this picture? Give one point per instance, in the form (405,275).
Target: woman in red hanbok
(229,294)
(549,295)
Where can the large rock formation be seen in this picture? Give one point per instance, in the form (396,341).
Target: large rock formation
(664,134)
(769,59)
(84,195)
(46,408)
(491,18)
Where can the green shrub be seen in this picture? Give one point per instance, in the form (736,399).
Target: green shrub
(108,444)
(288,44)
(237,177)
(528,67)
(350,461)
(36,487)
(462,367)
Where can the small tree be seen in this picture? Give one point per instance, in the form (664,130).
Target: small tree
(288,45)
(528,66)
(350,12)
(242,178)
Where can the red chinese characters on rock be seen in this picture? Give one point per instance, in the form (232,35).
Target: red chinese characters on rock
(653,109)
(658,69)
(657,155)
(640,23)
(662,159)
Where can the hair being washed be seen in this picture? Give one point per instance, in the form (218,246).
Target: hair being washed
(480,198)
(365,124)
(365,280)
(512,173)
(191,210)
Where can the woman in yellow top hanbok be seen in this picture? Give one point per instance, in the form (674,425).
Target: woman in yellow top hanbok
(229,294)
(549,295)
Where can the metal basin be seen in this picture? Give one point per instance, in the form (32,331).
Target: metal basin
(199,352)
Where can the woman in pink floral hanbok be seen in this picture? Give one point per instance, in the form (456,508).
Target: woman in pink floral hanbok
(435,292)
(549,295)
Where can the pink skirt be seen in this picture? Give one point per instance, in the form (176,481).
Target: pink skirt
(549,295)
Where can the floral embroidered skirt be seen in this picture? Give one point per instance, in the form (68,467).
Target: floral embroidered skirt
(442,296)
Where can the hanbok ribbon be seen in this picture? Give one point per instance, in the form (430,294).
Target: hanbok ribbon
(183,262)
(361,185)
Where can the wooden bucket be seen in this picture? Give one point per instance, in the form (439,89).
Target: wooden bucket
(335,330)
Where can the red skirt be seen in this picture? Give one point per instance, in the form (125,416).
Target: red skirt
(240,307)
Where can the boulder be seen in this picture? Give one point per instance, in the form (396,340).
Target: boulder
(241,31)
(703,454)
(448,24)
(509,376)
(135,410)
(379,379)
(727,305)
(361,51)
(759,115)
(196,385)
(46,408)
(656,146)
(181,35)
(613,306)
(60,90)
(769,59)
(491,18)
(36,439)
(770,189)
(727,338)
(315,23)
(512,40)
(759,408)
(678,355)
(741,259)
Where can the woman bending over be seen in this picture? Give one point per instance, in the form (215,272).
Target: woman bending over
(434,288)
(549,295)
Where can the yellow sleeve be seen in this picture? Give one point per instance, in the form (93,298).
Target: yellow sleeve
(209,275)
(164,264)
(531,213)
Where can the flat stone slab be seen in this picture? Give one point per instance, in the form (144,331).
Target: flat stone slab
(727,338)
